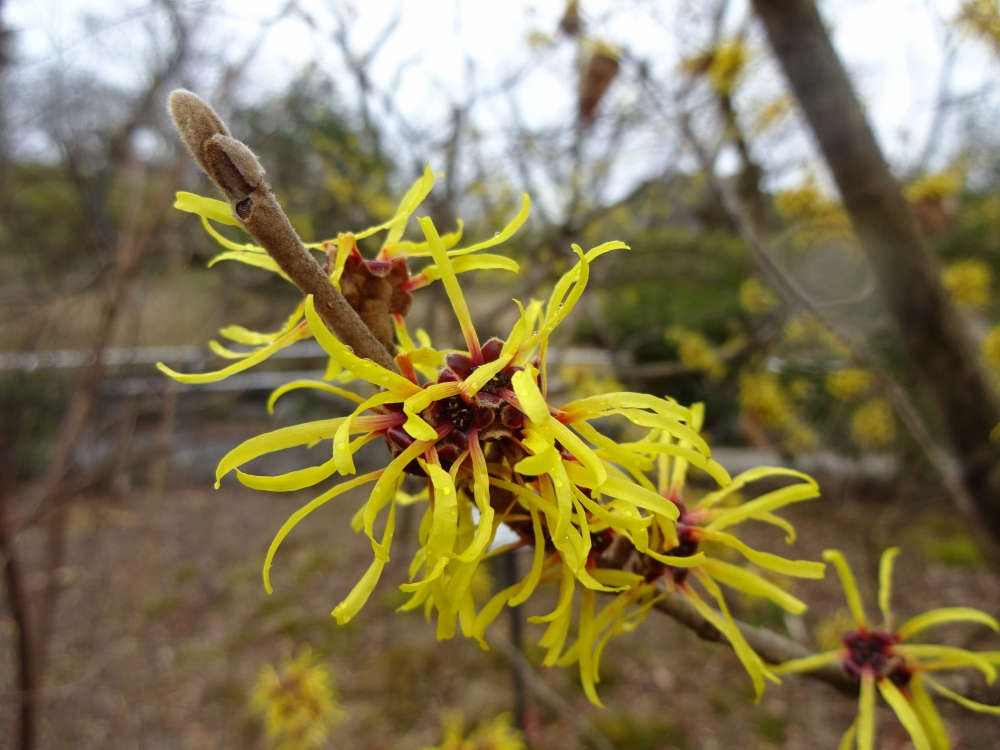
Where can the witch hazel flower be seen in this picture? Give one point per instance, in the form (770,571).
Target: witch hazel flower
(669,554)
(884,659)
(378,289)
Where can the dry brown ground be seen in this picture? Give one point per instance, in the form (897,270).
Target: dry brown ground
(164,625)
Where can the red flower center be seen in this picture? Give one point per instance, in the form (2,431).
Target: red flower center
(871,651)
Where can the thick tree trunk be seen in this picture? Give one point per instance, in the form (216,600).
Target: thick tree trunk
(932,332)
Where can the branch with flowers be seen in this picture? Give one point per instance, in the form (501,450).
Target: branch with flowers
(477,426)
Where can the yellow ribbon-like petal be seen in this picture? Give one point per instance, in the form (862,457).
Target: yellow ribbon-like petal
(850,587)
(208,208)
(750,583)
(296,334)
(885,585)
(905,713)
(866,713)
(305,511)
(344,355)
(317,385)
(355,600)
(981,708)
(796,568)
(928,714)
(944,615)
(451,286)
(808,663)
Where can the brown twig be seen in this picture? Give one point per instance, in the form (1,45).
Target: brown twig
(20,611)
(772,647)
(940,459)
(552,700)
(239,175)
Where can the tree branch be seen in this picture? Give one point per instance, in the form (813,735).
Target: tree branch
(931,329)
(238,173)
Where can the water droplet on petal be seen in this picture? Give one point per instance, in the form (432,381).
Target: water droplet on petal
(559,483)
(350,349)
(366,359)
(497,234)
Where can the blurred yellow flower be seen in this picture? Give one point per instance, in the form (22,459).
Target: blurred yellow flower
(849,383)
(582,381)
(991,348)
(729,61)
(762,396)
(695,351)
(830,631)
(968,282)
(755,297)
(873,424)
(981,17)
(298,703)
(881,658)
(933,187)
(493,735)
(818,217)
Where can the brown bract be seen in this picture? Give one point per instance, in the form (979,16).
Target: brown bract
(374,288)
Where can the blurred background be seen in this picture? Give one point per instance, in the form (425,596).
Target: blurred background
(662,123)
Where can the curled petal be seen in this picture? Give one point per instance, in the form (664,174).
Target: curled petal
(796,568)
(305,511)
(345,357)
(317,385)
(355,600)
(943,615)
(850,587)
(296,334)
(752,584)
(962,700)
(885,584)
(808,663)
(948,655)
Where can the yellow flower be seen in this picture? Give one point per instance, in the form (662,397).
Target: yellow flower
(762,396)
(755,297)
(873,425)
(848,383)
(982,17)
(819,217)
(582,382)
(298,703)
(729,61)
(476,425)
(670,551)
(968,282)
(494,735)
(991,348)
(933,187)
(883,658)
(695,351)
(349,271)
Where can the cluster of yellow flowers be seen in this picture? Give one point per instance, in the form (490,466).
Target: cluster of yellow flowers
(298,703)
(498,734)
(815,217)
(762,396)
(697,352)
(477,427)
(968,282)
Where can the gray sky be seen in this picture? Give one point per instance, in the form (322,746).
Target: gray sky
(893,48)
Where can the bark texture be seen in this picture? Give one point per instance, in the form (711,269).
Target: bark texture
(935,337)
